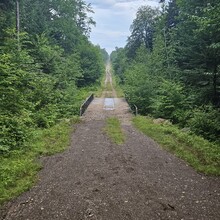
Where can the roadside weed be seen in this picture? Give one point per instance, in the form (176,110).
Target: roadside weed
(198,152)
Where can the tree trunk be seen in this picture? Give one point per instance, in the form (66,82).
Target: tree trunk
(18,22)
(215,93)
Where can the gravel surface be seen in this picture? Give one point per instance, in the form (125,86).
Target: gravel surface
(98,180)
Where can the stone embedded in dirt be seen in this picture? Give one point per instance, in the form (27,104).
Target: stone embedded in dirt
(185,129)
(96,190)
(161,121)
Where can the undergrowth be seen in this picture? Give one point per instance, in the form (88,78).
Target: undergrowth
(109,87)
(116,85)
(114,131)
(100,88)
(18,169)
(196,151)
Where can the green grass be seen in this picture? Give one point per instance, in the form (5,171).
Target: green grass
(108,87)
(85,92)
(99,90)
(114,131)
(118,89)
(196,151)
(18,169)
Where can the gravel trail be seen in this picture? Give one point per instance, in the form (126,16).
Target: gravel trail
(96,179)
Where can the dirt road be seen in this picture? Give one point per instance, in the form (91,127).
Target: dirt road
(98,180)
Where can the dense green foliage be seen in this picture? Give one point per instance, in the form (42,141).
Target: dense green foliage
(170,65)
(105,55)
(45,63)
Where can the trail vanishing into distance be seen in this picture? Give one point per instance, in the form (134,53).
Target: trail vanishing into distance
(98,180)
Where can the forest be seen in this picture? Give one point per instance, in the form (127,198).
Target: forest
(170,66)
(46,64)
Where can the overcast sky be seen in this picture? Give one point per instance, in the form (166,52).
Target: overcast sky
(113,19)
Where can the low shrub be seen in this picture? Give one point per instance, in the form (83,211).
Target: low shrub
(205,121)
(13,133)
(45,117)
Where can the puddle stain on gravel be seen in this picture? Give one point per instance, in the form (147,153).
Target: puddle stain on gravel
(109,104)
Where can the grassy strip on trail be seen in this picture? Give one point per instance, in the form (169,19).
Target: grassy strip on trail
(198,152)
(109,87)
(18,169)
(114,131)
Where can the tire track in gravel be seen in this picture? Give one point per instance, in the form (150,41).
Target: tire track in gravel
(96,179)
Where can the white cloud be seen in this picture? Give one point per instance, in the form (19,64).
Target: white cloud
(113,19)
